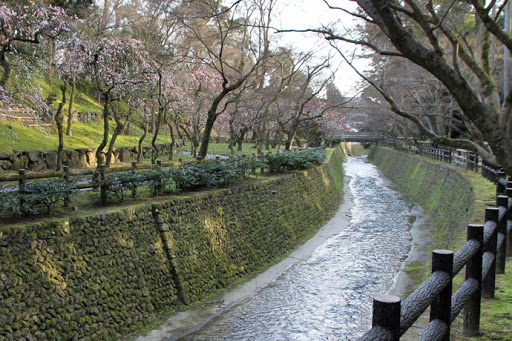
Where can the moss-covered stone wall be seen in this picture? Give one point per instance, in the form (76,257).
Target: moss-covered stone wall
(445,195)
(103,276)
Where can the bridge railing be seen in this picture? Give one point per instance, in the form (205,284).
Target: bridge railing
(360,137)
(483,256)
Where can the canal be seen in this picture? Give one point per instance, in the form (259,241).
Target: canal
(324,290)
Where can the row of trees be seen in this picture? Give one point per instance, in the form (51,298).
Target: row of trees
(188,65)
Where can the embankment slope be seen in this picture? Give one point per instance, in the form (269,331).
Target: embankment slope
(103,276)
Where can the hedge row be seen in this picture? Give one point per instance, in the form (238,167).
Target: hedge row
(38,198)
(105,276)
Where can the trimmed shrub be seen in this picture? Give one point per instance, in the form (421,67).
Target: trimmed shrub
(213,173)
(38,197)
(294,160)
(117,185)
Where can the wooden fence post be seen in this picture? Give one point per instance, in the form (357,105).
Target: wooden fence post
(134,185)
(509,217)
(22,181)
(386,313)
(500,187)
(502,200)
(471,324)
(488,283)
(441,308)
(158,186)
(103,186)
(66,178)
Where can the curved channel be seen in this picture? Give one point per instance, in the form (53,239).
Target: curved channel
(328,295)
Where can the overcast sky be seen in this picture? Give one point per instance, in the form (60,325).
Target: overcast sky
(303,14)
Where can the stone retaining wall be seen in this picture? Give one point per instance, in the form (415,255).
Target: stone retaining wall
(89,116)
(105,276)
(76,158)
(445,195)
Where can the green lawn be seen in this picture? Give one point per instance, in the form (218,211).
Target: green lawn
(496,319)
(14,135)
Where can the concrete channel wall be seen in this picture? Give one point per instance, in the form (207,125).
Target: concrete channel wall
(104,276)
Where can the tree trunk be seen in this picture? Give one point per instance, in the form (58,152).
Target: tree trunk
(232,136)
(70,109)
(99,150)
(203,150)
(120,127)
(262,133)
(141,140)
(110,150)
(154,154)
(231,144)
(241,137)
(153,120)
(59,118)
(288,144)
(173,139)
(4,63)
(483,116)
(106,13)
(212,114)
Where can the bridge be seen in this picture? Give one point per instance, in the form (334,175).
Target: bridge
(360,137)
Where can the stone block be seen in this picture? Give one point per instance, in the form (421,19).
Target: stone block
(21,162)
(5,156)
(124,154)
(5,164)
(33,155)
(51,159)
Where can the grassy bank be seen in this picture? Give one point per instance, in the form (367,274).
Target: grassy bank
(21,137)
(16,136)
(437,188)
(106,274)
(496,318)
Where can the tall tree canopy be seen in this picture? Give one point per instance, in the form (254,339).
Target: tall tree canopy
(460,44)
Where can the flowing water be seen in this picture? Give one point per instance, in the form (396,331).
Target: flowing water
(328,295)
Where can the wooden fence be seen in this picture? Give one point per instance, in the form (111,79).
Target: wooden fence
(88,177)
(483,256)
(459,157)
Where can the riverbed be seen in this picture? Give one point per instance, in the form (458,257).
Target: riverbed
(323,290)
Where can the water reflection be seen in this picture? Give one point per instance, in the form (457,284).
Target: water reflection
(328,296)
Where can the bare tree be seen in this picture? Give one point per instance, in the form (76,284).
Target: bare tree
(307,85)
(222,43)
(438,39)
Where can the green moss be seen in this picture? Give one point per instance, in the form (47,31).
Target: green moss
(113,272)
(445,195)
(456,198)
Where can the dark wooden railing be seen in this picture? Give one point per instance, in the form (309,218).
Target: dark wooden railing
(459,157)
(483,256)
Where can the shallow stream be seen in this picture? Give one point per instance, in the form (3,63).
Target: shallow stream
(324,290)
